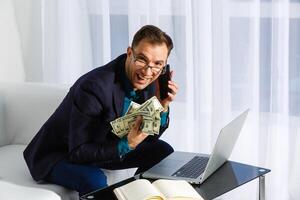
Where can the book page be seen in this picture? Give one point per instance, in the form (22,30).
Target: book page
(140,189)
(176,189)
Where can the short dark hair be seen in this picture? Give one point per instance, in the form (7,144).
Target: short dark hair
(153,35)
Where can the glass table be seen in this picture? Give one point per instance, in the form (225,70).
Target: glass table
(228,177)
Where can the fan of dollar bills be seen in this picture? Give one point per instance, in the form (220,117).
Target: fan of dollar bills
(149,110)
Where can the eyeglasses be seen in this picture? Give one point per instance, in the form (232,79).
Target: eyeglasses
(142,63)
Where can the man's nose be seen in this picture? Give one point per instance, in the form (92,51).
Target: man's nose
(148,71)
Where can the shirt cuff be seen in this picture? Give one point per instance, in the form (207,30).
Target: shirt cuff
(123,146)
(164,118)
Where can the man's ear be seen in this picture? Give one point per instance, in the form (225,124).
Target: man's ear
(129,51)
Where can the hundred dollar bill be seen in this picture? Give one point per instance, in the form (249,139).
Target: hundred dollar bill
(132,107)
(147,127)
(157,104)
(149,110)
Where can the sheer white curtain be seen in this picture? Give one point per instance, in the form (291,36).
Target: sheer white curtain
(229,55)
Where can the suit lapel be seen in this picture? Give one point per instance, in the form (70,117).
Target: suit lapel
(118,89)
(118,98)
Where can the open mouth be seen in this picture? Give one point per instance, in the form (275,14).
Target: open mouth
(142,79)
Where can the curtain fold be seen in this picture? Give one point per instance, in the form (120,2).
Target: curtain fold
(11,59)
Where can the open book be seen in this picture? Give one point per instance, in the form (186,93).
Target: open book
(161,189)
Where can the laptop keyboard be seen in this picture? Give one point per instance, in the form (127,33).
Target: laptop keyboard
(193,169)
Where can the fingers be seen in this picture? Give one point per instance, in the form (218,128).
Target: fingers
(136,136)
(173,86)
(171,74)
(174,89)
(137,124)
(171,95)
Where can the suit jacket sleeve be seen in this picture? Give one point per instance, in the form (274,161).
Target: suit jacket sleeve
(90,139)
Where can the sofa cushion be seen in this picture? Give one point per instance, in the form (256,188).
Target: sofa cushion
(14,170)
(16,192)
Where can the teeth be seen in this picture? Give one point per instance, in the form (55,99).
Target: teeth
(143,78)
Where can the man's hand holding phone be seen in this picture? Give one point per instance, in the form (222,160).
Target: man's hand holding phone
(167,88)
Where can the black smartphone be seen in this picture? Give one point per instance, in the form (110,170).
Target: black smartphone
(163,83)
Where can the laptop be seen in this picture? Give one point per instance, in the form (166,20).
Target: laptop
(194,167)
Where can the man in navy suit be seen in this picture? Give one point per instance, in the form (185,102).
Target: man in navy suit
(76,141)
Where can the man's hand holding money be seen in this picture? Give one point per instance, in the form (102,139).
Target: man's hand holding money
(136,136)
(150,123)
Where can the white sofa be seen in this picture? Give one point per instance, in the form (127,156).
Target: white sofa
(24,107)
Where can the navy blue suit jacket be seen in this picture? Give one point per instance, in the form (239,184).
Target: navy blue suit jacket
(79,130)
